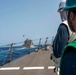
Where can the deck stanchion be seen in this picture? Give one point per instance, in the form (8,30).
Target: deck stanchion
(11,47)
(46,43)
(39,46)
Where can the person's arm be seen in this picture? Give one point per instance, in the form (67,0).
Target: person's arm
(60,40)
(68,66)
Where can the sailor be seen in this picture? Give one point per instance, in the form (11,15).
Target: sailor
(68,60)
(63,37)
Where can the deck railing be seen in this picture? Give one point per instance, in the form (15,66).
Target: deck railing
(13,51)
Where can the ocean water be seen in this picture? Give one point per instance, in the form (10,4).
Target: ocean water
(17,51)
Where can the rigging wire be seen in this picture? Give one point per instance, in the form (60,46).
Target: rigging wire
(23,42)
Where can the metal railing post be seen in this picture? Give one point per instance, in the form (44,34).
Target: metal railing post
(11,47)
(52,40)
(46,43)
(39,43)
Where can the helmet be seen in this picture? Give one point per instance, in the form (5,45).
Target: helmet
(70,4)
(61,5)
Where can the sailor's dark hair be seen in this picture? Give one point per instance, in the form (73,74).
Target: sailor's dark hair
(73,10)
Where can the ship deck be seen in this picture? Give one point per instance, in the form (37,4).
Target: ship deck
(36,63)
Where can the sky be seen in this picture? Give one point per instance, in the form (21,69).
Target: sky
(32,18)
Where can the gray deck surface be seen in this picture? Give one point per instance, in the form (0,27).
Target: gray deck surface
(35,59)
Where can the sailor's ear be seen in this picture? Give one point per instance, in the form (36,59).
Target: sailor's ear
(72,16)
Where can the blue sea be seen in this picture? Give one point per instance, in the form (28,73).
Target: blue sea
(17,51)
